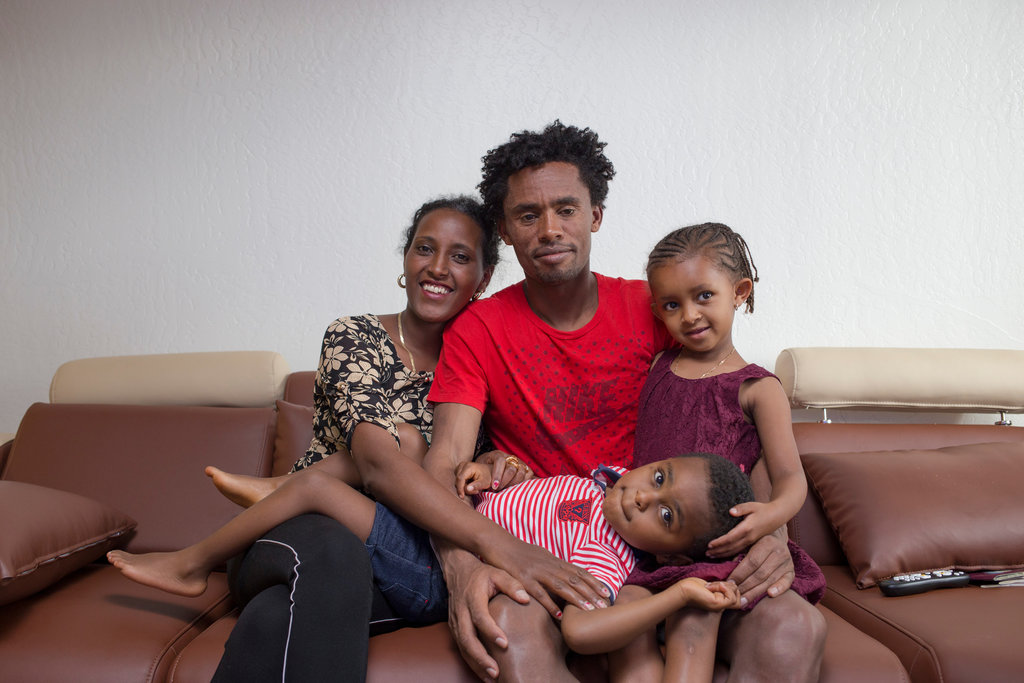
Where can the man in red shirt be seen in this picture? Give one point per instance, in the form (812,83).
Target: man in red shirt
(553,366)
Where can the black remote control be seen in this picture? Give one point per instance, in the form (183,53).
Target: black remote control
(919,582)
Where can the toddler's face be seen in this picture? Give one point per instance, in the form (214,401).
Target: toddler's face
(661,508)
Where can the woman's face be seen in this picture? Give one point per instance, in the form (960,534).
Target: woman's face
(444,265)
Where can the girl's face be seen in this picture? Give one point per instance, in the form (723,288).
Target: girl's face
(697,301)
(661,508)
(444,265)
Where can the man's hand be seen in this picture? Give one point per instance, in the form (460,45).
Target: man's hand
(469,592)
(546,577)
(766,568)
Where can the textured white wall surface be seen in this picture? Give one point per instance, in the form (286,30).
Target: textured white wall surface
(189,175)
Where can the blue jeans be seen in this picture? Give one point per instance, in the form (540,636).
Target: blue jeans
(405,568)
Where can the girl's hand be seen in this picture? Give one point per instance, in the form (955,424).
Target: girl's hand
(759,521)
(472,477)
(501,471)
(714,596)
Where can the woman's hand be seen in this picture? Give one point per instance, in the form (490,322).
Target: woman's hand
(500,470)
(759,521)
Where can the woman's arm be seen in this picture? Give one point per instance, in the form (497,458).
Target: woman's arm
(609,629)
(427,498)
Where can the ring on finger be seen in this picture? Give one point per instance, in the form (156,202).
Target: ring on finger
(513,461)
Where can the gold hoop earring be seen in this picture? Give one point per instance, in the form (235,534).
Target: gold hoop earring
(401,280)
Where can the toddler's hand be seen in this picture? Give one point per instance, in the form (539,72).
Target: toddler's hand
(505,470)
(714,596)
(472,478)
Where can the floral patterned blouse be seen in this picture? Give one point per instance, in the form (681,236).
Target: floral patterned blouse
(362,379)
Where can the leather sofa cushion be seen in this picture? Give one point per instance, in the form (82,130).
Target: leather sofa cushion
(146,461)
(903,511)
(299,387)
(294,432)
(961,634)
(48,534)
(97,626)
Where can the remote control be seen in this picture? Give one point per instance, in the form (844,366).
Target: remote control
(919,582)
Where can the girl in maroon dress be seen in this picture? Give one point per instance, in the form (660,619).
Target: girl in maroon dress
(704,397)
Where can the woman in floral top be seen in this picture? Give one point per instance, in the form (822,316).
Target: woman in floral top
(375,371)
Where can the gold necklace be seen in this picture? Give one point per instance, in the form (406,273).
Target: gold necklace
(702,376)
(401,340)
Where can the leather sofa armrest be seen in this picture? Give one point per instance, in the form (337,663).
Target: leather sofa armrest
(6,441)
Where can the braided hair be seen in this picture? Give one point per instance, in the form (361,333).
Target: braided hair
(725,248)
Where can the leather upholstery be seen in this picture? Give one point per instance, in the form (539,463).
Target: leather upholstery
(94,625)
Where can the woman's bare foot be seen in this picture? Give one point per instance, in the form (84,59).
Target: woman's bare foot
(166,571)
(242,489)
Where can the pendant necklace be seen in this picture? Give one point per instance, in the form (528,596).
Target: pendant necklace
(701,377)
(401,340)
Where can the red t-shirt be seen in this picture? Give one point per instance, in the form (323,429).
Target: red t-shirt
(564,402)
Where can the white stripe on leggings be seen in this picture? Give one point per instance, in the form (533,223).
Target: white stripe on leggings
(291,598)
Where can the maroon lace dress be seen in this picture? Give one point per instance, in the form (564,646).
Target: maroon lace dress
(679,415)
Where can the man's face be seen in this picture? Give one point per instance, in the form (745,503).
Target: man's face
(548,218)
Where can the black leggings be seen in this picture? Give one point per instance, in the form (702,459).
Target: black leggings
(308,598)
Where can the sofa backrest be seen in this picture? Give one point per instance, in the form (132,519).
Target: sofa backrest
(904,379)
(298,388)
(810,528)
(242,379)
(893,379)
(145,461)
(142,450)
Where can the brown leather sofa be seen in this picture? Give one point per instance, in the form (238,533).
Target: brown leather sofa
(83,476)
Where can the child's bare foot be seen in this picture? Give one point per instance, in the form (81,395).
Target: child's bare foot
(242,489)
(166,571)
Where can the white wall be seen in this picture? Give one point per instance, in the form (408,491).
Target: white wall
(206,175)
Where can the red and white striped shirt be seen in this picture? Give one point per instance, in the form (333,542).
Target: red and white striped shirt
(563,515)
